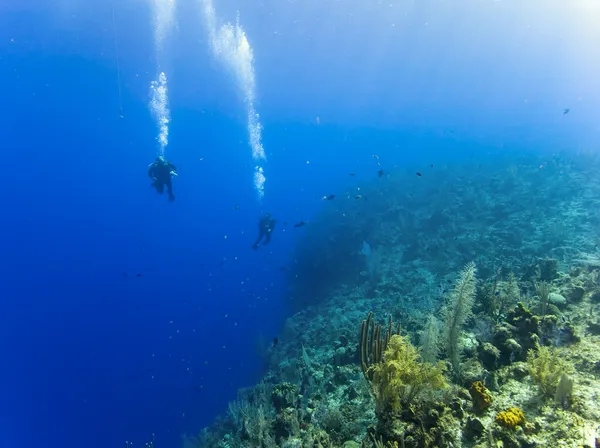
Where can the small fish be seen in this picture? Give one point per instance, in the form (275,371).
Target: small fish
(497,293)
(419,174)
(352,174)
(300,224)
(566,111)
(275,341)
(375,156)
(358,196)
(329,198)
(138,275)
(431,166)
(380,173)
(236,207)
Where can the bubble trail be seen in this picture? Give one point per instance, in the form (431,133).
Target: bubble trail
(160,110)
(230,46)
(163,22)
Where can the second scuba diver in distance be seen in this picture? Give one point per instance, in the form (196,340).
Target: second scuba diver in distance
(265,228)
(161,171)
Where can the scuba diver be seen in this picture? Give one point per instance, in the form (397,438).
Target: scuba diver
(265,228)
(161,171)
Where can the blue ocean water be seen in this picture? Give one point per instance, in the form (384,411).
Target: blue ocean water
(124,315)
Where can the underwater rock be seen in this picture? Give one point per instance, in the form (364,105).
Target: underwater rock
(469,345)
(524,329)
(475,427)
(568,334)
(595,297)
(457,408)
(513,346)
(575,294)
(594,328)
(548,325)
(512,437)
(530,274)
(508,347)
(519,370)
(548,269)
(488,355)
(471,370)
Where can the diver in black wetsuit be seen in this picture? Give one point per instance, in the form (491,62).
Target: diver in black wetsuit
(161,171)
(265,228)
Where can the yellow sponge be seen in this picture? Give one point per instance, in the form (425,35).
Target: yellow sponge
(511,417)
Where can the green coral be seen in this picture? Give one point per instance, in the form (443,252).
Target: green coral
(402,376)
(546,367)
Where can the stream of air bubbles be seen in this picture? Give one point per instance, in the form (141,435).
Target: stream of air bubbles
(230,46)
(163,21)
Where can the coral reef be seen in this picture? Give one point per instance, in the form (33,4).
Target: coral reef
(521,340)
